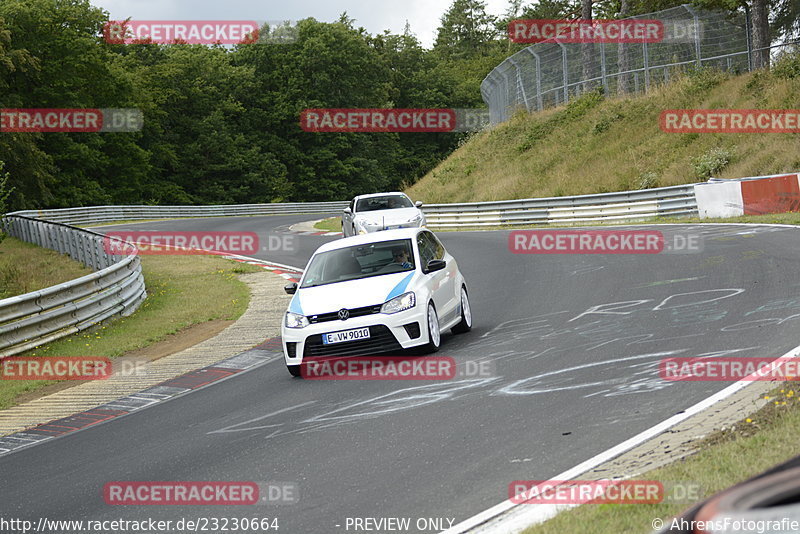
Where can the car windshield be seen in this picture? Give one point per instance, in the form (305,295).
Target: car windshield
(360,261)
(388,202)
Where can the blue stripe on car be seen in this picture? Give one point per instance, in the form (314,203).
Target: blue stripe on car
(400,288)
(294,306)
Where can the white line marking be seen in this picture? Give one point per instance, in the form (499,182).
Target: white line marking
(232,428)
(526,515)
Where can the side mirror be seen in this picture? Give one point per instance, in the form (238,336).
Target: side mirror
(434,265)
(348,211)
(418,203)
(291,288)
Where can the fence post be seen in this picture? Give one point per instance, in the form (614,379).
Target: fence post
(538,78)
(749,38)
(520,84)
(564,70)
(696,34)
(603,67)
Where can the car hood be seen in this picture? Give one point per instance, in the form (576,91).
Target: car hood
(389,217)
(351,294)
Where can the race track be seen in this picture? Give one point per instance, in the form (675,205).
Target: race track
(574,342)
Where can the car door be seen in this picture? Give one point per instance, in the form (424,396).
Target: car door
(437,280)
(449,288)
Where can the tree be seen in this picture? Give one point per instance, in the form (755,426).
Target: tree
(465,29)
(759,23)
(760,30)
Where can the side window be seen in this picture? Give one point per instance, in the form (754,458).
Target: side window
(426,253)
(438,247)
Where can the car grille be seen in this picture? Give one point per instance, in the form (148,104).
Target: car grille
(380,339)
(354,312)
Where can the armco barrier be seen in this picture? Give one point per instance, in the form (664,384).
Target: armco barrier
(628,205)
(101,214)
(116,288)
(672,201)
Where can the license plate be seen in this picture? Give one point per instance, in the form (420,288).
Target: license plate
(345,335)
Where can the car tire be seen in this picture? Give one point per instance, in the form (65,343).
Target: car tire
(466,314)
(294,370)
(434,332)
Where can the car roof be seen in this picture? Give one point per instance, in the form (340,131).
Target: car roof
(373,237)
(371,195)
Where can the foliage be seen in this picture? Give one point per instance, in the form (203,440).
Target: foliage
(221,124)
(787,65)
(707,165)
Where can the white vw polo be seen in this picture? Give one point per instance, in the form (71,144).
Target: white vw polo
(375,293)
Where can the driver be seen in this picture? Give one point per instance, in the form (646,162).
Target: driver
(400,257)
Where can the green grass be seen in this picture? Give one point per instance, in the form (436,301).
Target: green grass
(181,291)
(25,267)
(601,145)
(750,447)
(333,224)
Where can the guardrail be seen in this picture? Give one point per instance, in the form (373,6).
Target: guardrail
(630,205)
(662,201)
(117,288)
(101,214)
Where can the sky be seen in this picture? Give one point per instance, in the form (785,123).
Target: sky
(374,15)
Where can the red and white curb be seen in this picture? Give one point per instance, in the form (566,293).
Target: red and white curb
(288,272)
(181,385)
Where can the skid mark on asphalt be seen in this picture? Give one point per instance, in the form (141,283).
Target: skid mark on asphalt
(665,282)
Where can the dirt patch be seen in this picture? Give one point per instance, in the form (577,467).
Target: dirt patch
(181,340)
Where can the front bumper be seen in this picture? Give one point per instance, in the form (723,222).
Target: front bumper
(379,228)
(388,333)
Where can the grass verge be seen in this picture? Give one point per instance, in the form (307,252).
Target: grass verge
(25,267)
(752,446)
(598,144)
(182,291)
(333,224)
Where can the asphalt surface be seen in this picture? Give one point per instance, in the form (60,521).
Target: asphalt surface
(573,341)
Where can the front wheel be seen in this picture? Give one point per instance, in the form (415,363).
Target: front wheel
(466,314)
(434,333)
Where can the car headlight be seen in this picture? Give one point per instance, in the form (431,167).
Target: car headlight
(401,303)
(295,320)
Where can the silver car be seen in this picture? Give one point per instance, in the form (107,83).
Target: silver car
(381,211)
